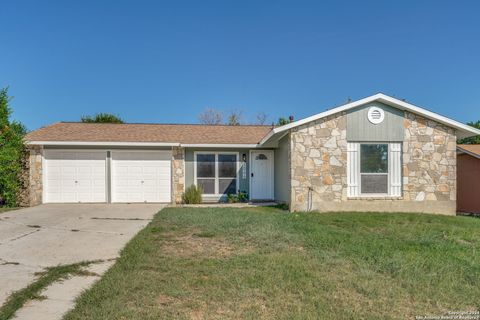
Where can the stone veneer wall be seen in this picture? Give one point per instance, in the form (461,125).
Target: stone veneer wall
(429,160)
(178,174)
(35,170)
(319,162)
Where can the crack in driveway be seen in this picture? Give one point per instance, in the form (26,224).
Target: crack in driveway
(24,235)
(56,228)
(120,219)
(5,262)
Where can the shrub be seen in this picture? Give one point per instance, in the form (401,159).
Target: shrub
(12,153)
(232,198)
(241,196)
(193,195)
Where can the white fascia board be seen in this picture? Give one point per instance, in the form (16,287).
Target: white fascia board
(106,144)
(432,115)
(461,150)
(382,98)
(140,144)
(213,145)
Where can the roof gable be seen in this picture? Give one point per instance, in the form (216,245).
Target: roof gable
(462,129)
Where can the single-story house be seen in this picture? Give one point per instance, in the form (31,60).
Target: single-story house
(468,178)
(375,154)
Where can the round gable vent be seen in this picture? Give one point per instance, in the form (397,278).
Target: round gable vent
(376,115)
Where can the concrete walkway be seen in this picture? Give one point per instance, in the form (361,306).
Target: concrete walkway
(34,238)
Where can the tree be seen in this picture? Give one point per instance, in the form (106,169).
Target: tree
(235,117)
(210,116)
(12,153)
(261,118)
(102,118)
(471,140)
(282,121)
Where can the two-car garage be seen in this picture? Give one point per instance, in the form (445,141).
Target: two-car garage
(123,176)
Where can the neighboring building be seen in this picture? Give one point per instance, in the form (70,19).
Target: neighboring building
(374,154)
(468,178)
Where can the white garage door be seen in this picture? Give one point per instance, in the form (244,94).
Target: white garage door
(141,176)
(75,176)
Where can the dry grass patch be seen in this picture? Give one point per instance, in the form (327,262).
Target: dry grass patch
(195,243)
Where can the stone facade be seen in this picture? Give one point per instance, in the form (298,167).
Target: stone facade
(319,161)
(319,174)
(35,184)
(178,174)
(429,160)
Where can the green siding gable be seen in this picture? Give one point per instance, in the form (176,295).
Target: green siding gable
(359,128)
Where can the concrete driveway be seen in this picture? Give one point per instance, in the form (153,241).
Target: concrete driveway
(34,238)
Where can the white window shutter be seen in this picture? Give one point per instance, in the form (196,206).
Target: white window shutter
(353,169)
(395,169)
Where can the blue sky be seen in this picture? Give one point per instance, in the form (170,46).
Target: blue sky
(165,61)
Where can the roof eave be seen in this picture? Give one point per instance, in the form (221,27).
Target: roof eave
(104,143)
(142,144)
(473,154)
(219,145)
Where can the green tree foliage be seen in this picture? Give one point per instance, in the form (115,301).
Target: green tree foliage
(12,153)
(471,140)
(102,118)
(283,121)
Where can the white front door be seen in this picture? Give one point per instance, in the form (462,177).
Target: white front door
(75,176)
(141,176)
(261,175)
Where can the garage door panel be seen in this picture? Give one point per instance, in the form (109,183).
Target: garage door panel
(141,176)
(75,176)
(54,186)
(99,174)
(68,197)
(85,197)
(163,175)
(150,184)
(153,197)
(67,173)
(68,185)
(148,171)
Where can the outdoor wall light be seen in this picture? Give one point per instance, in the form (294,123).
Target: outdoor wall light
(244,157)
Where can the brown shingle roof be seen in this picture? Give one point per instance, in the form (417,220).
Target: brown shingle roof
(472,148)
(168,133)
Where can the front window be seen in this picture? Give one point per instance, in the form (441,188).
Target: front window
(374,168)
(206,172)
(216,172)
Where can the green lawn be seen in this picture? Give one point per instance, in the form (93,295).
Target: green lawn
(264,263)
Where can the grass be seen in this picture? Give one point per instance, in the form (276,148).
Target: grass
(49,276)
(264,263)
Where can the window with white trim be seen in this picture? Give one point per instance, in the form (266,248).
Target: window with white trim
(374,169)
(216,172)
